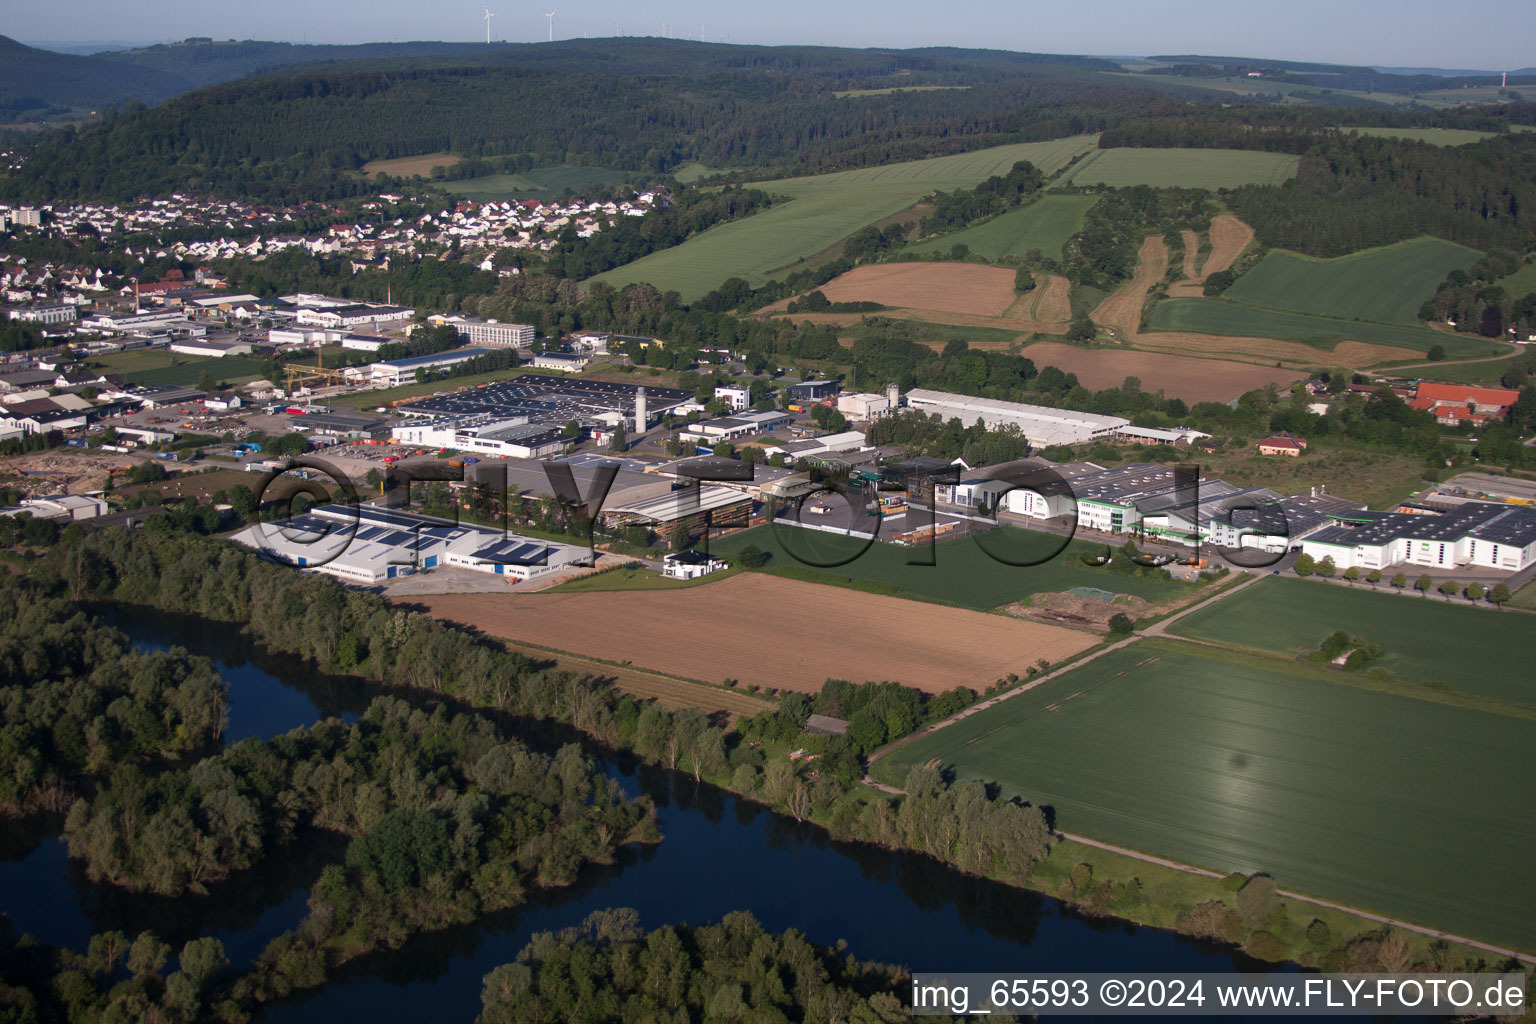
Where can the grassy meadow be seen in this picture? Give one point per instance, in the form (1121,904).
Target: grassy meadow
(1522,282)
(1218,316)
(1045,224)
(1240,762)
(961,574)
(821,211)
(1386,285)
(540,183)
(1428,640)
(1434,136)
(1183,168)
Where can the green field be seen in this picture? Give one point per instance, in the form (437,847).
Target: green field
(1292,92)
(821,211)
(1237,763)
(1484,373)
(961,574)
(1045,224)
(1525,597)
(1183,168)
(1438,136)
(1521,283)
(1217,316)
(1427,639)
(1386,285)
(229,369)
(539,183)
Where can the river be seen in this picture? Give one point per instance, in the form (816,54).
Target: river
(719,854)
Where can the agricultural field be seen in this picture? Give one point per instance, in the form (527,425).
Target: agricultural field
(540,183)
(1373,477)
(1428,640)
(1193,380)
(668,691)
(1240,762)
(1183,168)
(845,93)
(1045,224)
(962,573)
(1482,372)
(1525,597)
(1218,316)
(820,212)
(408,166)
(1228,238)
(943,287)
(719,632)
(1386,285)
(1435,136)
(1291,92)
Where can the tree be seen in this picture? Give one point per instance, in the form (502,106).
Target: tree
(1449,588)
(1400,581)
(1326,567)
(572,428)
(1121,623)
(1436,353)
(1374,577)
(1082,329)
(1423,583)
(1475,592)
(207,382)
(1023,280)
(1305,565)
(620,438)
(1499,594)
(1352,574)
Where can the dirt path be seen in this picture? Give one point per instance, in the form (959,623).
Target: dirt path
(1122,310)
(1191,253)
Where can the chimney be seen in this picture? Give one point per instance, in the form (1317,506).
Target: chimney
(640,410)
(853,379)
(893,394)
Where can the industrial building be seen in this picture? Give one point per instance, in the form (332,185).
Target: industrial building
(61,314)
(1481,534)
(489,333)
(1041,425)
(60,506)
(370,544)
(689,565)
(514,438)
(540,398)
(394,372)
(812,390)
(693,507)
(728,428)
(563,362)
(863,406)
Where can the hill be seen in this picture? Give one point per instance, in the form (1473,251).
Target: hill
(33,80)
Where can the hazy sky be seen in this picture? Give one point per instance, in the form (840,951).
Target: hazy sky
(1492,34)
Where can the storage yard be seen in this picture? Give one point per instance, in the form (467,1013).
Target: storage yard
(719,632)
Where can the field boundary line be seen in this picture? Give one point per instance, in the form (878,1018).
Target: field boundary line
(1291,894)
(1156,629)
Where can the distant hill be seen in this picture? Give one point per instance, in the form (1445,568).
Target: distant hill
(31,78)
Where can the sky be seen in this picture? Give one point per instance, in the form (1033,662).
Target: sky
(1485,34)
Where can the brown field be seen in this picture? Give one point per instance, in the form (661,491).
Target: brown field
(772,632)
(1122,310)
(670,692)
(406,166)
(1051,302)
(1186,377)
(1229,237)
(943,287)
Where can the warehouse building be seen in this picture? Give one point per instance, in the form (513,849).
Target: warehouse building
(728,428)
(488,333)
(1484,535)
(812,391)
(394,372)
(1041,426)
(864,406)
(370,544)
(514,438)
(696,508)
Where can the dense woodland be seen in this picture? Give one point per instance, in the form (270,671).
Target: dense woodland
(607,969)
(78,702)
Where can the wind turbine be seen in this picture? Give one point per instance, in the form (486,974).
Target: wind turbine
(551,16)
(488,17)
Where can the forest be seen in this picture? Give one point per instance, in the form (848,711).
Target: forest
(78,702)
(606,968)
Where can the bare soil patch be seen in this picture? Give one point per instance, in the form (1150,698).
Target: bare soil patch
(407,166)
(1122,310)
(944,287)
(1069,609)
(1052,301)
(66,472)
(772,632)
(1187,377)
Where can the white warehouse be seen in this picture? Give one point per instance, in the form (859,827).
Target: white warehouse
(1041,425)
